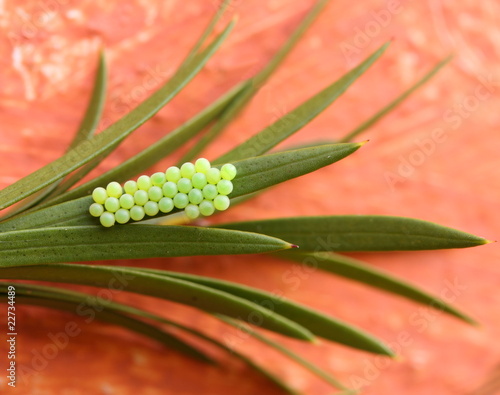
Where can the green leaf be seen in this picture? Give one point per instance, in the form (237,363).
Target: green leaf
(361,233)
(103,310)
(45,296)
(91,149)
(267,170)
(286,351)
(356,270)
(93,243)
(255,84)
(315,321)
(254,174)
(392,105)
(169,288)
(209,29)
(85,131)
(72,213)
(300,116)
(82,172)
(157,151)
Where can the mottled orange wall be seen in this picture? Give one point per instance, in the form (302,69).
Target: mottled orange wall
(48,54)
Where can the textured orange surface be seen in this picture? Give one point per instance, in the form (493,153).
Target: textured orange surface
(48,53)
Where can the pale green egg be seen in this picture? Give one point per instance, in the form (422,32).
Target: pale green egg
(192,211)
(202,165)
(137,213)
(96,209)
(107,219)
(114,189)
(122,216)
(221,202)
(206,208)
(99,195)
(151,208)
(228,171)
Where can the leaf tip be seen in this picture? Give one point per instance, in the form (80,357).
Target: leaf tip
(294,246)
(385,350)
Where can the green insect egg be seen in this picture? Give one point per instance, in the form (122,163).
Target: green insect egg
(192,211)
(206,208)
(166,205)
(173,174)
(127,201)
(99,195)
(202,165)
(228,171)
(224,187)
(96,209)
(221,202)
(112,204)
(107,219)
(158,179)
(199,180)
(130,187)
(213,176)
(141,197)
(195,196)
(122,216)
(184,185)
(114,189)
(210,192)
(137,213)
(151,208)
(170,189)
(187,170)
(144,183)
(181,200)
(155,193)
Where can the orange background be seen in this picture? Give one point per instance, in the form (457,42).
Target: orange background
(48,55)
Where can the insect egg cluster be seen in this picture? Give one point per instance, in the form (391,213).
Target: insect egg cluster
(198,188)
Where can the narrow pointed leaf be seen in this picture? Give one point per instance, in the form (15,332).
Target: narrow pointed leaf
(254,174)
(85,131)
(169,288)
(93,243)
(155,152)
(168,339)
(88,150)
(315,321)
(299,117)
(72,213)
(356,270)
(103,310)
(86,169)
(392,105)
(361,233)
(96,104)
(209,29)
(285,351)
(267,170)
(255,84)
